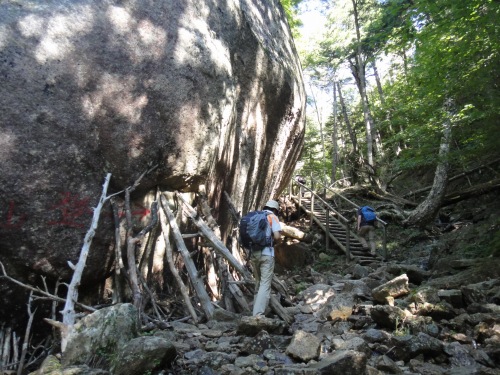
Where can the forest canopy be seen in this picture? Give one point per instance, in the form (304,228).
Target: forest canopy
(399,74)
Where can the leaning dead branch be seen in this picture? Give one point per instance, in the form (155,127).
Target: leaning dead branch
(132,265)
(224,276)
(41,292)
(222,250)
(24,349)
(72,296)
(196,281)
(216,242)
(173,269)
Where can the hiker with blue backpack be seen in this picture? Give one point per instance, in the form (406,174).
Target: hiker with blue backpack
(259,230)
(366,227)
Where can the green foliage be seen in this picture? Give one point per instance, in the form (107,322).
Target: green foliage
(456,57)
(290,8)
(103,357)
(323,264)
(312,154)
(441,52)
(300,287)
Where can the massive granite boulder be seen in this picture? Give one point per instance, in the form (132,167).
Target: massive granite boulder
(209,92)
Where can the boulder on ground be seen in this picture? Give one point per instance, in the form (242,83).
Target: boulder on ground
(143,355)
(98,336)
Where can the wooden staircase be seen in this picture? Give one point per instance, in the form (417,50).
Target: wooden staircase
(337,231)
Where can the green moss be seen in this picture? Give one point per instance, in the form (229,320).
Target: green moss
(300,287)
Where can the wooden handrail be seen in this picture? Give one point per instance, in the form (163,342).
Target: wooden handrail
(347,200)
(340,218)
(384,224)
(343,220)
(323,201)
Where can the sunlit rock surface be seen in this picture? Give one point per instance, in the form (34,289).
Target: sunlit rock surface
(211,92)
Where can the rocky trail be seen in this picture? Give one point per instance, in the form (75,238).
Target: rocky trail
(382,320)
(432,308)
(389,318)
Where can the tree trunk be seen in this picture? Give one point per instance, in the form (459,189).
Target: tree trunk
(320,122)
(427,210)
(351,156)
(352,134)
(358,69)
(379,84)
(335,154)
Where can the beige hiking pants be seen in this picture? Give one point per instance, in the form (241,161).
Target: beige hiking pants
(263,269)
(367,231)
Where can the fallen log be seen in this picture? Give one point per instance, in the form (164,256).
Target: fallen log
(280,310)
(473,191)
(456,177)
(292,232)
(237,293)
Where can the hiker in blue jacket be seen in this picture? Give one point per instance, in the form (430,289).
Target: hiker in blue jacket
(366,229)
(263,262)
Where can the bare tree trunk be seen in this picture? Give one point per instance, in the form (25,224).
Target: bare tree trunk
(320,122)
(358,68)
(5,350)
(427,210)
(335,156)
(377,80)
(131,265)
(117,277)
(210,258)
(343,107)
(358,72)
(351,158)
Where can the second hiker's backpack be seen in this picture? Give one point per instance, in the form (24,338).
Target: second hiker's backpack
(368,214)
(255,231)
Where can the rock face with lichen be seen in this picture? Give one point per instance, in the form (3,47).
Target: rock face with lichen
(206,92)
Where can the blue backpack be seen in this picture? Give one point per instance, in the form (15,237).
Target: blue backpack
(368,214)
(255,231)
